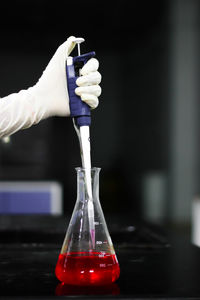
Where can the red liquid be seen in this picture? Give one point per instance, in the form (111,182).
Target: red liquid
(87,268)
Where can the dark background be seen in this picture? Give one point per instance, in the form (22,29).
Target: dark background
(130,133)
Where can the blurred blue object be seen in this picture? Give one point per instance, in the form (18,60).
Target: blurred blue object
(35,197)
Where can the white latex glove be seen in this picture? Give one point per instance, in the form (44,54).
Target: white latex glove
(49,96)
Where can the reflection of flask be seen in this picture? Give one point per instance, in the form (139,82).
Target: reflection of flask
(63,289)
(80,261)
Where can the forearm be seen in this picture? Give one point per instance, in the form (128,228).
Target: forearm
(19,111)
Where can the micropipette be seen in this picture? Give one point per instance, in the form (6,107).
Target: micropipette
(80,112)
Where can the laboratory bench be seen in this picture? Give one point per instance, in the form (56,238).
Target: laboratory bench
(155,262)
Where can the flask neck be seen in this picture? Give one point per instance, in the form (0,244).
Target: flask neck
(82,184)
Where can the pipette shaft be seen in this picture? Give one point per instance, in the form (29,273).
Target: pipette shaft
(80,112)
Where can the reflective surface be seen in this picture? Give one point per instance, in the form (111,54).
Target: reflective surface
(150,267)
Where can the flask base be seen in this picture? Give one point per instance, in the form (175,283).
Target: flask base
(87,268)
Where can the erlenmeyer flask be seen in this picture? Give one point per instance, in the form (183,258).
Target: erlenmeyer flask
(81,261)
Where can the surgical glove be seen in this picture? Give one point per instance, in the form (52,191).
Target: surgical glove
(49,96)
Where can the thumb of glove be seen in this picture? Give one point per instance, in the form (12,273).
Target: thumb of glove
(52,84)
(63,52)
(70,44)
(66,48)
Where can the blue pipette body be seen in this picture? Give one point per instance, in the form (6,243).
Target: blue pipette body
(79,110)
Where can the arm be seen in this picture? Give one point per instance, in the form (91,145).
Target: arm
(49,96)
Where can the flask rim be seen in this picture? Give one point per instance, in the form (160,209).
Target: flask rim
(80,169)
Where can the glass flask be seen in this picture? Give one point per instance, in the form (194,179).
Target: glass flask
(87,258)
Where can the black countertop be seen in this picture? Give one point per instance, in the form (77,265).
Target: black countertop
(153,265)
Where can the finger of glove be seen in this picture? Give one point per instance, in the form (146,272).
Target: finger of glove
(91,66)
(92,89)
(91,100)
(93,78)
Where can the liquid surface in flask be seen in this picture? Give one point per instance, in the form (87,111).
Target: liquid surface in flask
(87,268)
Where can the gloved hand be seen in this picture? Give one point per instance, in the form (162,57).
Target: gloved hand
(49,96)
